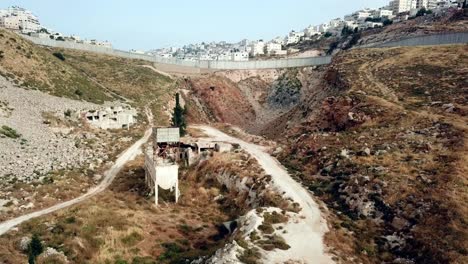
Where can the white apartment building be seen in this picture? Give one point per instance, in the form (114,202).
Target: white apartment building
(17,18)
(257,48)
(279,40)
(292,39)
(383,13)
(311,31)
(273,48)
(240,56)
(323,28)
(401,6)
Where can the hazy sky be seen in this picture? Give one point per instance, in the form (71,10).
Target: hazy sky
(147,24)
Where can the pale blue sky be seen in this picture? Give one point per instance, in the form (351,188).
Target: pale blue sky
(147,24)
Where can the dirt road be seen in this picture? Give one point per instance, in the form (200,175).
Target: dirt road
(109,176)
(304,236)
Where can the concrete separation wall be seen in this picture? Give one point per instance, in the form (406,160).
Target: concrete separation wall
(427,40)
(184,66)
(216,65)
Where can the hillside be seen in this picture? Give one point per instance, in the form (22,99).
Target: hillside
(387,151)
(380,135)
(126,78)
(36,68)
(45,144)
(84,76)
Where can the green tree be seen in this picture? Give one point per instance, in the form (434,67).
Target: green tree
(178,118)
(34,249)
(421,12)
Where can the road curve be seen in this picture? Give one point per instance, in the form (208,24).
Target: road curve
(306,236)
(109,175)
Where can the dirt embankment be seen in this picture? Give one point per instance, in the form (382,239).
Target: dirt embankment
(380,136)
(387,150)
(249,99)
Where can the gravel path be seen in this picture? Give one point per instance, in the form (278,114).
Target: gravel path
(109,176)
(306,236)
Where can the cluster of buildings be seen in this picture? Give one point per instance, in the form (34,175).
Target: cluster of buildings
(207,51)
(223,51)
(20,19)
(396,10)
(412,6)
(25,22)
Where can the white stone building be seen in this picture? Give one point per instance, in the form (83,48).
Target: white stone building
(257,48)
(273,49)
(383,13)
(401,6)
(240,56)
(311,31)
(17,18)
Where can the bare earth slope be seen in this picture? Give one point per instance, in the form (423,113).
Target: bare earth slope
(387,149)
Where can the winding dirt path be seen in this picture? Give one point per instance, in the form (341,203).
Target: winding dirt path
(305,236)
(109,175)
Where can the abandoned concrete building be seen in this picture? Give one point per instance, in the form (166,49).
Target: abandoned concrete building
(164,154)
(114,117)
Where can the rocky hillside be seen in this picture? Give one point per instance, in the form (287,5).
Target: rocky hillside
(47,152)
(387,150)
(249,99)
(380,136)
(84,76)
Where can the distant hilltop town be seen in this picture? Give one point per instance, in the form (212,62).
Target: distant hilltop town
(395,11)
(23,21)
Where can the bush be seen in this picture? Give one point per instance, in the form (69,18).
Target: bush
(79,92)
(387,22)
(327,34)
(67,113)
(172,251)
(250,256)
(9,132)
(332,47)
(34,249)
(132,239)
(59,56)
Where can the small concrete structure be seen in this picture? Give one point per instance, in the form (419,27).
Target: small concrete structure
(223,147)
(161,157)
(115,117)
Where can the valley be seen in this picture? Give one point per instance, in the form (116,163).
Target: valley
(364,160)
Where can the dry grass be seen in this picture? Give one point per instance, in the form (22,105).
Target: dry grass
(123,224)
(36,68)
(126,79)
